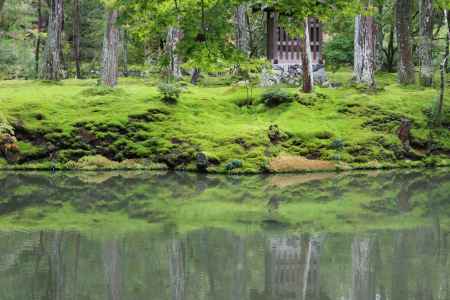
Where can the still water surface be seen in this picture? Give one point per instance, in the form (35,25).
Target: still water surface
(263,253)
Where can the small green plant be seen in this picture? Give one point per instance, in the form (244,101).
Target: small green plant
(170,92)
(5,126)
(275,97)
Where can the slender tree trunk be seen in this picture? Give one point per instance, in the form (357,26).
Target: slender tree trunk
(406,70)
(37,52)
(242,29)
(364,56)
(125,52)
(110,56)
(173,37)
(305,49)
(379,39)
(51,66)
(76,37)
(426,42)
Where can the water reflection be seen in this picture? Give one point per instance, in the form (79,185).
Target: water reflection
(200,253)
(218,264)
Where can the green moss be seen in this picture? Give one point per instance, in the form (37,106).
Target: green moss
(80,119)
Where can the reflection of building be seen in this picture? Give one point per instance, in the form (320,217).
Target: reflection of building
(285,267)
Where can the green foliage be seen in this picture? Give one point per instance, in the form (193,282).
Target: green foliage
(170,92)
(276,96)
(339,51)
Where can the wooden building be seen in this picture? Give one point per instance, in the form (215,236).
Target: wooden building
(284,50)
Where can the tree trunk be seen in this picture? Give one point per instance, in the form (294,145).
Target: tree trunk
(406,71)
(379,39)
(443,71)
(173,37)
(51,66)
(37,52)
(76,37)
(242,29)
(305,49)
(2,2)
(426,42)
(110,64)
(364,56)
(125,52)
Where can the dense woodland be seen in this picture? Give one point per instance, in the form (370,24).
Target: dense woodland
(386,64)
(58,39)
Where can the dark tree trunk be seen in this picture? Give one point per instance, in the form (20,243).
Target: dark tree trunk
(390,51)
(406,71)
(426,42)
(125,52)
(364,56)
(379,39)
(110,68)
(51,66)
(37,52)
(305,49)
(2,2)
(76,37)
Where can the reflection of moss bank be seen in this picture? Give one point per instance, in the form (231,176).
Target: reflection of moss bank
(76,126)
(134,201)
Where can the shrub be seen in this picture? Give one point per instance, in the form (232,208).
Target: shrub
(5,127)
(170,93)
(275,97)
(339,51)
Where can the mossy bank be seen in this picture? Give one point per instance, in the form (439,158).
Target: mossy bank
(216,128)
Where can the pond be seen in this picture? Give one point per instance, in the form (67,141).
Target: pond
(131,235)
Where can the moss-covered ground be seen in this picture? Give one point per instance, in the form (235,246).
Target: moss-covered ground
(75,124)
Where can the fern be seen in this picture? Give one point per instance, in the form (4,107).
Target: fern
(5,126)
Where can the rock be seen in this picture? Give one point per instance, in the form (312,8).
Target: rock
(202,162)
(9,148)
(320,76)
(275,134)
(234,164)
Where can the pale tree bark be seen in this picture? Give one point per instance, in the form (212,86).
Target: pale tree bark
(173,38)
(443,71)
(364,56)
(110,57)
(363,269)
(242,29)
(51,66)
(406,70)
(307,68)
(426,42)
(177,269)
(76,37)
